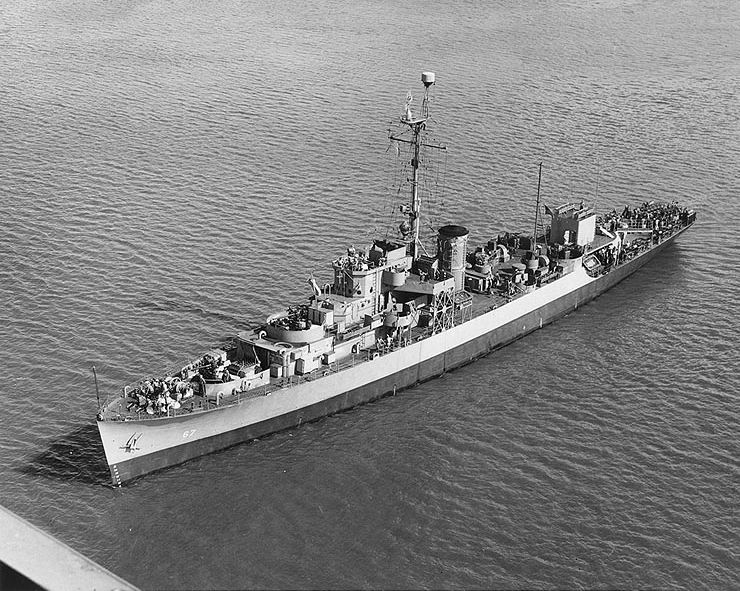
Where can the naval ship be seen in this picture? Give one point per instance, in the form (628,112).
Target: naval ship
(394,315)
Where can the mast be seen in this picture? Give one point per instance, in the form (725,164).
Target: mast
(415,199)
(598,170)
(417,125)
(537,212)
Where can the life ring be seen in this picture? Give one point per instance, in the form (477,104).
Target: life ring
(326,372)
(356,348)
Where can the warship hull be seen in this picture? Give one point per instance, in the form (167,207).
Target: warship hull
(137,447)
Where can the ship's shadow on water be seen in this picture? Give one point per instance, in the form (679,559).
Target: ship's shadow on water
(75,457)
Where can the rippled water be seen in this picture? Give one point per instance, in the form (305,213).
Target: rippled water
(170,172)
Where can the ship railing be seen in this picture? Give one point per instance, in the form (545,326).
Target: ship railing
(200,404)
(635,224)
(194,405)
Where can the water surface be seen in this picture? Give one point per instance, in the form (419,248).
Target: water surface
(171,172)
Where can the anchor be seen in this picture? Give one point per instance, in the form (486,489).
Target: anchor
(131,443)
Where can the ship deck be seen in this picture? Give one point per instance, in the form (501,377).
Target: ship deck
(120,409)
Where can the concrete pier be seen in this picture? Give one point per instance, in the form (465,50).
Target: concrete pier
(32,559)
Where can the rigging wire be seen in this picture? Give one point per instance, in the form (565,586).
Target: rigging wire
(431,188)
(381,224)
